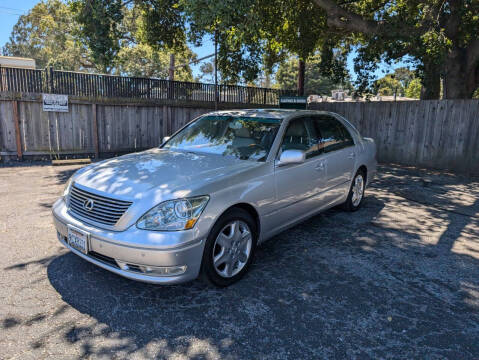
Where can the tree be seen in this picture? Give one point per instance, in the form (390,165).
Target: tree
(441,35)
(315,82)
(51,35)
(47,34)
(388,86)
(207,72)
(252,34)
(414,89)
(395,83)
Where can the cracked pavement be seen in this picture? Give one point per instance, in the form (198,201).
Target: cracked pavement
(397,279)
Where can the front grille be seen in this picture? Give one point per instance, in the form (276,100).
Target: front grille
(105,210)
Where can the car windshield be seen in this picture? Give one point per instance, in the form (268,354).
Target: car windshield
(246,138)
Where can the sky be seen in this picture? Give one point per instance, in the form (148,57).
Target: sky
(10,10)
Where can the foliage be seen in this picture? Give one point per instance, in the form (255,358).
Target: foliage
(315,82)
(47,34)
(388,86)
(441,37)
(207,72)
(414,89)
(51,34)
(142,60)
(253,35)
(395,83)
(99,28)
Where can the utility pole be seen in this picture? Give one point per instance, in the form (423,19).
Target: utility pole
(301,70)
(171,70)
(216,70)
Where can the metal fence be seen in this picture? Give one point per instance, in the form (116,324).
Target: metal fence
(95,85)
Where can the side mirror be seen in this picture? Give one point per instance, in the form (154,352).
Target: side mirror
(165,139)
(291,157)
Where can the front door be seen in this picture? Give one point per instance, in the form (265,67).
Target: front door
(298,186)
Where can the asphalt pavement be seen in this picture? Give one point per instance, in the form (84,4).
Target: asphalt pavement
(397,279)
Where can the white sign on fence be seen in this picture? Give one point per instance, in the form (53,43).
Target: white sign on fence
(54,102)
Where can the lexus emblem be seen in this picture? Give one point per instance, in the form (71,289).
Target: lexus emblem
(88,204)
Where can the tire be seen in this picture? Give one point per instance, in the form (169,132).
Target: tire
(352,203)
(229,250)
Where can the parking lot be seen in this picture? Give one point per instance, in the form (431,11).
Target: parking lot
(397,279)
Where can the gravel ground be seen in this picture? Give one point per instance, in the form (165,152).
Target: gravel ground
(397,279)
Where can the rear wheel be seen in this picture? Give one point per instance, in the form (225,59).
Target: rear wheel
(356,192)
(229,248)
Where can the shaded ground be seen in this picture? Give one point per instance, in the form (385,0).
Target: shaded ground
(397,279)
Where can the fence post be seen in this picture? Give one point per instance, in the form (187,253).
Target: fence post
(52,87)
(18,137)
(264,97)
(95,132)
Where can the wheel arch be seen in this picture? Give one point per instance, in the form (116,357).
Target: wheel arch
(364,170)
(249,209)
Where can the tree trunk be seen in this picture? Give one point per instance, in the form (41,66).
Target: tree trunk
(431,82)
(301,71)
(462,76)
(171,69)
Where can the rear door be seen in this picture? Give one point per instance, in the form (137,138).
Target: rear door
(338,150)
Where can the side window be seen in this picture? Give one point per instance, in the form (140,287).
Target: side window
(348,139)
(300,136)
(334,136)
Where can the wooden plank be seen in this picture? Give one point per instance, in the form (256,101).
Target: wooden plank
(419,127)
(457,140)
(16,121)
(71,162)
(165,122)
(471,143)
(96,141)
(439,134)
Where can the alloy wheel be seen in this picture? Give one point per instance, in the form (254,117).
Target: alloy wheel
(232,248)
(358,190)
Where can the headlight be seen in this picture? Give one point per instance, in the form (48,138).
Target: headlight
(171,215)
(67,189)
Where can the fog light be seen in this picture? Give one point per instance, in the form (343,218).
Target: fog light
(163,270)
(152,270)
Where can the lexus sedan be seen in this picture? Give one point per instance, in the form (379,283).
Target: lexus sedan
(200,203)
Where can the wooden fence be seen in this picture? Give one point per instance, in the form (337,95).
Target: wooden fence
(440,134)
(101,128)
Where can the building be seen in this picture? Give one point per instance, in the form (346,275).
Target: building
(17,62)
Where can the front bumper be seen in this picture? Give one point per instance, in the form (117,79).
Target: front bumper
(128,253)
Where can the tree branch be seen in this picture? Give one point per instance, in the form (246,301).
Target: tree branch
(345,19)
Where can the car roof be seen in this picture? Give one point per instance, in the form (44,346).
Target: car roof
(265,113)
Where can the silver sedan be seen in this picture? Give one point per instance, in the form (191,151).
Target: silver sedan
(200,203)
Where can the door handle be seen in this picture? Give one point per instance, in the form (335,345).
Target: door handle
(352,156)
(319,166)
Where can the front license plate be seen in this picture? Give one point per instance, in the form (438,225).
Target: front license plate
(78,239)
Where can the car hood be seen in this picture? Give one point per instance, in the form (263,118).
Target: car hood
(158,174)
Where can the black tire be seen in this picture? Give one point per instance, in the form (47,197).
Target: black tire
(350,205)
(208,270)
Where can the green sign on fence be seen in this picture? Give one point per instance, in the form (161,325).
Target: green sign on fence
(293,102)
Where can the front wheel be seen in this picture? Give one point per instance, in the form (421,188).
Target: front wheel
(229,248)
(356,192)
